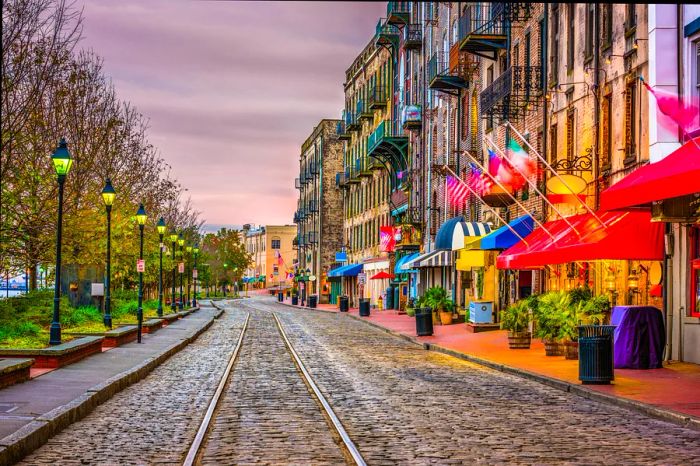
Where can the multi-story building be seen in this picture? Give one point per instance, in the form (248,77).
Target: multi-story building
(319,215)
(272,252)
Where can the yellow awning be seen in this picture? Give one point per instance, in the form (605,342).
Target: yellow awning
(471,258)
(473,242)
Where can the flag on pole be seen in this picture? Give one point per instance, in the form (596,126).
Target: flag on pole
(673,107)
(520,159)
(279,258)
(456,191)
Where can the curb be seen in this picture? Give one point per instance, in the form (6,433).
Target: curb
(31,436)
(673,417)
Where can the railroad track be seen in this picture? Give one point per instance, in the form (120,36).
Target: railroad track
(217,437)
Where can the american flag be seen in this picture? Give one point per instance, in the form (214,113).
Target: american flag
(456,191)
(280,261)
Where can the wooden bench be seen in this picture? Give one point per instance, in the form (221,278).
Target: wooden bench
(120,336)
(151,325)
(59,355)
(14,371)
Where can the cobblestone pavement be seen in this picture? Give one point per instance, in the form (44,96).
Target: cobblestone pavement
(267,414)
(153,421)
(403,405)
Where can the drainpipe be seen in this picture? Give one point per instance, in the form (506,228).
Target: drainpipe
(596,143)
(320,212)
(545,109)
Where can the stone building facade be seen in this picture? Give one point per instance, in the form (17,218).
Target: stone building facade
(272,253)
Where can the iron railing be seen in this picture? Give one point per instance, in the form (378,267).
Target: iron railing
(412,36)
(438,65)
(385,129)
(377,97)
(483,18)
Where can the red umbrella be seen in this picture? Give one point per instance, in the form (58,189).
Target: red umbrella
(381,275)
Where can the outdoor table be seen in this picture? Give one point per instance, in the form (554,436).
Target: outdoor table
(639,337)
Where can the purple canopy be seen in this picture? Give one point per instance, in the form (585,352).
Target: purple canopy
(639,337)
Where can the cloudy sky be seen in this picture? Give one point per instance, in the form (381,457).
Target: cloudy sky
(232,89)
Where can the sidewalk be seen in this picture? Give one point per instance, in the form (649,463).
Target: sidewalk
(40,407)
(673,389)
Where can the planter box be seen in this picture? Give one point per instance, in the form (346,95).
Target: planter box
(151,325)
(120,336)
(14,371)
(59,355)
(478,328)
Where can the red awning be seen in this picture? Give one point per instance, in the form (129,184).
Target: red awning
(628,236)
(676,175)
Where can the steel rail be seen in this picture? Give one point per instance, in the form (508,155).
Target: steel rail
(352,449)
(204,427)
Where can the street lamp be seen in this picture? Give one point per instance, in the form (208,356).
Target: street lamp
(108,195)
(173,239)
(62,162)
(225,278)
(161,231)
(181,242)
(194,275)
(188,248)
(141,219)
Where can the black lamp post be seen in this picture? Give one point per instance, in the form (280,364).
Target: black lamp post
(195,249)
(108,195)
(188,248)
(225,278)
(173,239)
(141,219)
(307,274)
(181,242)
(161,232)
(62,162)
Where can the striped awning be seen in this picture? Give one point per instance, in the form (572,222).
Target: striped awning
(451,234)
(403,261)
(439,258)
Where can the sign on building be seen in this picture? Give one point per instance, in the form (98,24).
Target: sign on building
(361,278)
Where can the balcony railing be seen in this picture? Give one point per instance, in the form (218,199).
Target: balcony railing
(351,121)
(386,129)
(341,131)
(482,29)
(412,37)
(386,34)
(513,93)
(441,77)
(378,96)
(398,12)
(363,110)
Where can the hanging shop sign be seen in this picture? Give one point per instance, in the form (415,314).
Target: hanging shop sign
(341,256)
(387,239)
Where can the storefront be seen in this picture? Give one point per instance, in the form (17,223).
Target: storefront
(347,277)
(376,288)
(406,279)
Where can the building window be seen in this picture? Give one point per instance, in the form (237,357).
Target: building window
(630,17)
(606,133)
(630,121)
(590,24)
(543,54)
(553,143)
(275,243)
(554,57)
(570,143)
(607,26)
(570,40)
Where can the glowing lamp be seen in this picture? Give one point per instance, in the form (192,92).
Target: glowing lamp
(161,226)
(188,249)
(62,159)
(173,237)
(196,248)
(141,215)
(108,193)
(180,240)
(610,284)
(566,184)
(633,280)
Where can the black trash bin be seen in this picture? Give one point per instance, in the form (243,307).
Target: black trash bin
(595,354)
(364,307)
(344,303)
(280,296)
(424,322)
(295,300)
(313,301)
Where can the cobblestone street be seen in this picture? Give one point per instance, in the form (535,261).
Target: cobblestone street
(399,403)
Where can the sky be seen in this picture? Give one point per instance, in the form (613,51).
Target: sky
(231,89)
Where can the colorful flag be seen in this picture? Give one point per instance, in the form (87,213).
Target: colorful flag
(387,241)
(520,160)
(672,106)
(280,261)
(456,191)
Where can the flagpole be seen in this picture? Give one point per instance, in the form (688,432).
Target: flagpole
(492,210)
(534,186)
(509,194)
(546,164)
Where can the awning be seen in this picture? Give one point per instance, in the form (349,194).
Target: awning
(628,236)
(676,175)
(451,234)
(350,270)
(439,258)
(383,275)
(399,268)
(470,258)
(503,238)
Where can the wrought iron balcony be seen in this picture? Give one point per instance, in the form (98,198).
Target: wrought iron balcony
(513,94)
(411,117)
(363,110)
(482,29)
(398,12)
(412,37)
(341,132)
(353,173)
(387,35)
(441,78)
(363,168)
(378,97)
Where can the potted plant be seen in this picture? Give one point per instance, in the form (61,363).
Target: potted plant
(436,298)
(410,307)
(587,310)
(550,314)
(516,318)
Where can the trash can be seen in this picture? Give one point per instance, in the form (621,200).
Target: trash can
(389,303)
(280,297)
(295,300)
(313,301)
(424,322)
(364,307)
(595,354)
(344,303)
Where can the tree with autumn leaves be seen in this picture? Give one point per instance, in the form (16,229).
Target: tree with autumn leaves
(226,256)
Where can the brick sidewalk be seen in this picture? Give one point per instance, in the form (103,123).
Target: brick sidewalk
(673,388)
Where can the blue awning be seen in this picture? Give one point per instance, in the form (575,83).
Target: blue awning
(451,234)
(503,238)
(350,270)
(405,259)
